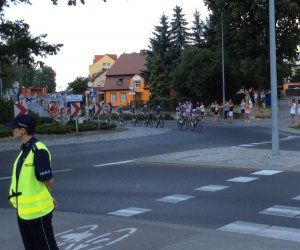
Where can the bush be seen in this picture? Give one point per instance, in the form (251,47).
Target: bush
(6,111)
(4,132)
(86,126)
(168,116)
(53,128)
(106,126)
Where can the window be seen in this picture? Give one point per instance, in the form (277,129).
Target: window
(100,83)
(123,97)
(137,84)
(113,97)
(120,81)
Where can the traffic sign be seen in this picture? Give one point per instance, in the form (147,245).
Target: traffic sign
(75,109)
(98,108)
(20,109)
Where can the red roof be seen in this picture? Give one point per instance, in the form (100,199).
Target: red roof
(127,65)
(98,57)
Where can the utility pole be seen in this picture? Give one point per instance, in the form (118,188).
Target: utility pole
(1,87)
(223,67)
(273,71)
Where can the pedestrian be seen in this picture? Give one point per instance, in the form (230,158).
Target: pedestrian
(230,112)
(31,184)
(298,108)
(242,107)
(293,109)
(263,98)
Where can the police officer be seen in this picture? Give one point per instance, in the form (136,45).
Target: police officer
(31,185)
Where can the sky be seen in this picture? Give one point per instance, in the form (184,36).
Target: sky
(96,28)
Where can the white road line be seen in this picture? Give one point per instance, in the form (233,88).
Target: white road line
(113,163)
(211,188)
(63,170)
(128,212)
(175,198)
(243,179)
(296,198)
(263,230)
(267,172)
(267,142)
(282,211)
(56,171)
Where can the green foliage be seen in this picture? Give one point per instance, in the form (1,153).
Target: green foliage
(53,128)
(296,76)
(198,74)
(107,126)
(6,111)
(86,126)
(159,82)
(78,86)
(246,38)
(4,132)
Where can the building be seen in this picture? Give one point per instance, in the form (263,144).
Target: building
(101,62)
(124,83)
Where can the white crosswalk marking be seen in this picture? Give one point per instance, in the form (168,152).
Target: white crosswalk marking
(176,198)
(211,188)
(267,172)
(283,211)
(128,212)
(263,230)
(243,179)
(296,198)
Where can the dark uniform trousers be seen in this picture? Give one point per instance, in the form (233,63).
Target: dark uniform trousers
(37,234)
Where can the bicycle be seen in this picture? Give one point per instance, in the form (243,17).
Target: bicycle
(183,122)
(135,120)
(159,121)
(121,118)
(147,121)
(198,123)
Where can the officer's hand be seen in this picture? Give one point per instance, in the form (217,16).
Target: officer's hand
(54,202)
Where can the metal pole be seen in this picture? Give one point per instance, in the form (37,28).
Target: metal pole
(1,87)
(223,67)
(273,71)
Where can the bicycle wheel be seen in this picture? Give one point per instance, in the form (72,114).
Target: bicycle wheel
(162,123)
(180,124)
(200,124)
(156,123)
(186,123)
(150,123)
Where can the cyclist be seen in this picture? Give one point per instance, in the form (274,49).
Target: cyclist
(158,111)
(120,114)
(133,112)
(145,112)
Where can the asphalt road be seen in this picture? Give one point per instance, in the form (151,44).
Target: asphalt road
(106,179)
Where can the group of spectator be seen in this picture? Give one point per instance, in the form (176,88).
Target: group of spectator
(294,110)
(251,99)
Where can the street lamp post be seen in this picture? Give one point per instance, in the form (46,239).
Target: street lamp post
(223,67)
(273,71)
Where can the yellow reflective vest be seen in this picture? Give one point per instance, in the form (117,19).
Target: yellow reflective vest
(30,196)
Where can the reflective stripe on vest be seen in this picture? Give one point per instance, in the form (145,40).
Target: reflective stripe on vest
(33,200)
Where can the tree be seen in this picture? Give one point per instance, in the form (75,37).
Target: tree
(78,86)
(198,31)
(179,31)
(160,86)
(296,75)
(45,77)
(197,75)
(160,45)
(247,38)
